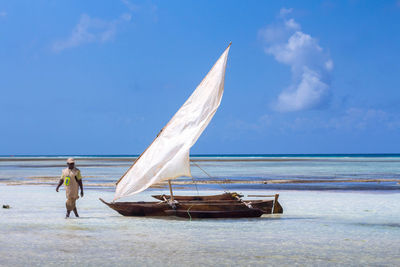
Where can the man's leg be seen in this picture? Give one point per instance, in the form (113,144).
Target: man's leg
(73,207)
(76,212)
(68,210)
(70,206)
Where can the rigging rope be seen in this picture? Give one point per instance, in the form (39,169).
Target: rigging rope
(195,184)
(209,176)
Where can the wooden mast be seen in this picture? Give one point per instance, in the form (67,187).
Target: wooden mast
(170,191)
(275,206)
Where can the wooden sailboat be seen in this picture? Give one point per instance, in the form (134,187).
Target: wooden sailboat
(167,158)
(198,208)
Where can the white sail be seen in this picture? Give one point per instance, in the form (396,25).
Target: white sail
(168,156)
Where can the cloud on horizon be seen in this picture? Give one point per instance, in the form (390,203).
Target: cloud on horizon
(91,30)
(352,119)
(310,64)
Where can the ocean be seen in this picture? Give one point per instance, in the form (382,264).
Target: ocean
(338,210)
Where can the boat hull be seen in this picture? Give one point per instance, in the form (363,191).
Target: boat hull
(139,208)
(267,206)
(211,214)
(195,209)
(225,196)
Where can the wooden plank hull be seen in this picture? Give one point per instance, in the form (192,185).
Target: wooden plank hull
(212,214)
(196,209)
(265,205)
(225,196)
(139,208)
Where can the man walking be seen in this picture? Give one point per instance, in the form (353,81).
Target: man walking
(72,180)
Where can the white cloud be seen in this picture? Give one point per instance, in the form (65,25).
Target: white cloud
(285,11)
(361,119)
(307,94)
(3,14)
(90,30)
(329,65)
(130,6)
(291,24)
(352,119)
(310,64)
(126,16)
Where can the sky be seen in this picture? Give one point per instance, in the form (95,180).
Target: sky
(103,77)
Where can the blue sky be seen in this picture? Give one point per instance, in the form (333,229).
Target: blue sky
(90,77)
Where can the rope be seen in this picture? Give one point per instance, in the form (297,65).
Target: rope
(195,184)
(209,176)
(190,216)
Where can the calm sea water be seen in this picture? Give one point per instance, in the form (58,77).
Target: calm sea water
(329,224)
(295,172)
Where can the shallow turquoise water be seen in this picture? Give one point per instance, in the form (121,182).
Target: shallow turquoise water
(321,225)
(108,170)
(317,228)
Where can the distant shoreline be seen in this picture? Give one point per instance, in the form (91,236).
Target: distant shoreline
(134,156)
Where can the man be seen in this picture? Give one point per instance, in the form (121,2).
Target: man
(71,178)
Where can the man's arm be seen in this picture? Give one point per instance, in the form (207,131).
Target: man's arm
(59,184)
(80,185)
(78,178)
